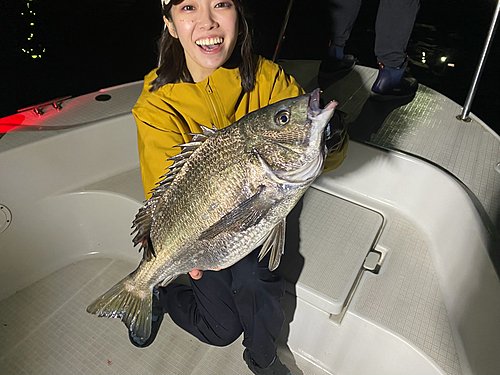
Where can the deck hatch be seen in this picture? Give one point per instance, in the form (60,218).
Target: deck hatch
(327,242)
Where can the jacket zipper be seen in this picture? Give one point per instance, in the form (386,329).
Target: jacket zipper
(215,112)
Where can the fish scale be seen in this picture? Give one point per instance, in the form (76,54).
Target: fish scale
(227,192)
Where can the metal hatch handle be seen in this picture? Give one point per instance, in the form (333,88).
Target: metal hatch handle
(464,116)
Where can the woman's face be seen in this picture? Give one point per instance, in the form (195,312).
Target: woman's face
(207,30)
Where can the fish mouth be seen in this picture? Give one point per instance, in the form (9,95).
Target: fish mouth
(313,109)
(320,117)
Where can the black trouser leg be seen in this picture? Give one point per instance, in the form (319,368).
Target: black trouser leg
(257,293)
(395,20)
(343,13)
(218,307)
(393,27)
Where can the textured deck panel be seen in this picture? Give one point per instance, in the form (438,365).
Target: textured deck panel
(46,330)
(405,296)
(24,311)
(63,338)
(466,149)
(328,247)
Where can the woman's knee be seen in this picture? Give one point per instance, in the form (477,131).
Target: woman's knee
(223,336)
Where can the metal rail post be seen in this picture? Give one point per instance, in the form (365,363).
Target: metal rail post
(464,116)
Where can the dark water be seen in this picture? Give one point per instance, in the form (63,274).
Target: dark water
(85,45)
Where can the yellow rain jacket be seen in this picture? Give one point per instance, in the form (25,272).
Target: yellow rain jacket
(164,116)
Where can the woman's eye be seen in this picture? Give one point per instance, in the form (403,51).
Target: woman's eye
(225,4)
(282,118)
(187,7)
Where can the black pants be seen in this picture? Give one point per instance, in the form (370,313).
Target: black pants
(393,27)
(221,305)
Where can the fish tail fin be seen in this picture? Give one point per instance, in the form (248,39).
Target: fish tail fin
(131,305)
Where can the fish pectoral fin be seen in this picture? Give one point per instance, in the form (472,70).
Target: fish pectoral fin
(246,215)
(275,242)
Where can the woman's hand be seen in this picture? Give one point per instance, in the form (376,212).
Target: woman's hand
(197,274)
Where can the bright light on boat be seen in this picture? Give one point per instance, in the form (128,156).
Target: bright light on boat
(444,58)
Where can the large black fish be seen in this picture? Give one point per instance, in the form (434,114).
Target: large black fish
(227,192)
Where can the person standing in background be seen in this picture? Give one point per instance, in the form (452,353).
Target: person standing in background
(393,27)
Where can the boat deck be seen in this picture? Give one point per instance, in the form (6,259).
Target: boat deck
(46,330)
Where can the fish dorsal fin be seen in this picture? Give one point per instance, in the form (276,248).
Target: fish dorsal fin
(143,220)
(275,242)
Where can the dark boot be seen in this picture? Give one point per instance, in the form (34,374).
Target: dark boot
(391,84)
(275,368)
(156,319)
(333,69)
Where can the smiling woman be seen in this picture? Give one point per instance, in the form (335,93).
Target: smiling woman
(207,30)
(203,35)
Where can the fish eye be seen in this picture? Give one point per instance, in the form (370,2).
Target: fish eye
(282,118)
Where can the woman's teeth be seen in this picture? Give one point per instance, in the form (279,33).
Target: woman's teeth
(209,43)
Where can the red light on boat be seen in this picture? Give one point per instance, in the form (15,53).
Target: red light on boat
(11,122)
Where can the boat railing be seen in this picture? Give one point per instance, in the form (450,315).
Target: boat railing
(464,116)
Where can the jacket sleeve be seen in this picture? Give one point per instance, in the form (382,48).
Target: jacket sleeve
(338,143)
(336,156)
(157,134)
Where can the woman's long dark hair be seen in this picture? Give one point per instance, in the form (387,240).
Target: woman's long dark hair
(173,68)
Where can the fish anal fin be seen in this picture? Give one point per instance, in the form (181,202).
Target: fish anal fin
(247,214)
(275,242)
